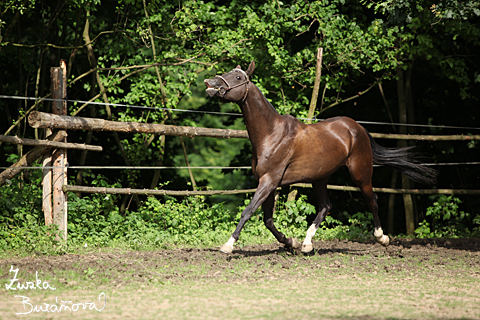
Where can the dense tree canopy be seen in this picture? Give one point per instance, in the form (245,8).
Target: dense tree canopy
(387,61)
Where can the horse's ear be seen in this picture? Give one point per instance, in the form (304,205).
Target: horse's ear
(238,67)
(251,68)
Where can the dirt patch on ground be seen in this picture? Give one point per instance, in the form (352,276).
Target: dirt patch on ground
(120,268)
(335,266)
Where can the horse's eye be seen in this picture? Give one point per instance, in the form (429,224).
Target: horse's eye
(238,78)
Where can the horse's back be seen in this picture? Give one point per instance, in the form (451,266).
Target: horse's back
(317,150)
(339,123)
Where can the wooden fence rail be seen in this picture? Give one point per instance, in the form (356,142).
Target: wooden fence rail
(47,143)
(30,157)
(103,190)
(46,120)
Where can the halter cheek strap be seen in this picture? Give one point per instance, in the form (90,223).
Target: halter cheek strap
(247,80)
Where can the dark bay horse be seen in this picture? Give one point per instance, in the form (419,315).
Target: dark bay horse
(287,151)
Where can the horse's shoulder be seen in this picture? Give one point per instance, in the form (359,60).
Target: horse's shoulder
(291,122)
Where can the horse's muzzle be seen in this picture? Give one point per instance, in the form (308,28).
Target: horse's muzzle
(211,90)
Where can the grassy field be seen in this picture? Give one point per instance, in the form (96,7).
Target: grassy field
(342,280)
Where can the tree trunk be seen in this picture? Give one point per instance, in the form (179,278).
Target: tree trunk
(316,87)
(402,111)
(93,60)
(164,102)
(393,181)
(411,130)
(93,93)
(156,174)
(391,204)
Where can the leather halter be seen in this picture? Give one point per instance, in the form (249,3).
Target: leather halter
(247,80)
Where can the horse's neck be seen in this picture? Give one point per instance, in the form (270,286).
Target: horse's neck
(260,116)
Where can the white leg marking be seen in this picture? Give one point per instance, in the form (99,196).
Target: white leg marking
(310,234)
(378,233)
(381,238)
(307,243)
(228,246)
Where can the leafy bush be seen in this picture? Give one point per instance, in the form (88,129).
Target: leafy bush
(360,227)
(95,220)
(290,218)
(22,225)
(476,230)
(446,220)
(293,214)
(190,220)
(331,228)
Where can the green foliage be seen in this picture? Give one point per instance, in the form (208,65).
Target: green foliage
(22,225)
(92,219)
(282,37)
(332,228)
(429,31)
(292,215)
(95,220)
(446,220)
(476,228)
(187,219)
(359,227)
(17,6)
(290,218)
(30,238)
(156,55)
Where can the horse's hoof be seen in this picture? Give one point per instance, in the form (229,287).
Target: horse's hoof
(383,240)
(228,246)
(294,244)
(226,249)
(306,248)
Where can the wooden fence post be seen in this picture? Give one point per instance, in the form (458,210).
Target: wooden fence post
(47,187)
(59,157)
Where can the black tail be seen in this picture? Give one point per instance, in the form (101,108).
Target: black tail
(404,161)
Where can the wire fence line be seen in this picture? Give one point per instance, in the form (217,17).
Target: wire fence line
(223,113)
(119,105)
(199,167)
(145,191)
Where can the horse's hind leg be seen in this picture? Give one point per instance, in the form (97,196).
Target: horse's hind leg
(323,207)
(363,179)
(371,199)
(268,207)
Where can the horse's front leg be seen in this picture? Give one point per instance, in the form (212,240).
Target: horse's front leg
(268,207)
(266,186)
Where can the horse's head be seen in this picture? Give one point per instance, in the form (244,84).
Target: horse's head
(231,86)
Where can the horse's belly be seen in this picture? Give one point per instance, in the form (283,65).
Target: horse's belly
(304,172)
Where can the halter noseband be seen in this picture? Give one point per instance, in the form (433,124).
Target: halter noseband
(247,80)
